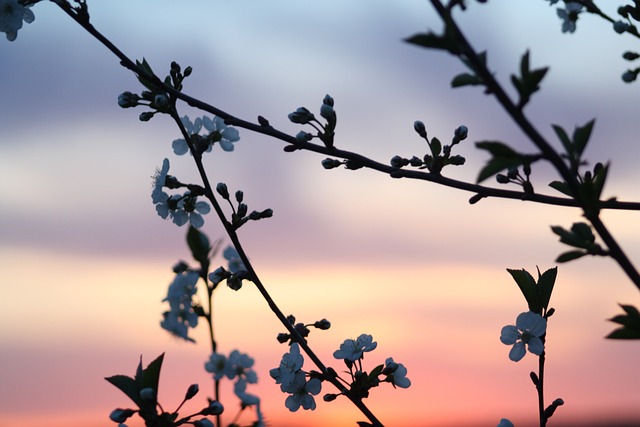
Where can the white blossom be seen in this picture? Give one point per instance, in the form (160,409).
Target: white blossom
(353,350)
(181,315)
(569,16)
(12,14)
(228,134)
(527,331)
(290,364)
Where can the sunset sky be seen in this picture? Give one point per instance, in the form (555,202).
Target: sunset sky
(85,261)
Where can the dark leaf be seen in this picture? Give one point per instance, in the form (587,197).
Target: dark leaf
(200,247)
(630,324)
(581,137)
(127,385)
(546,281)
(570,256)
(466,79)
(561,187)
(564,138)
(527,285)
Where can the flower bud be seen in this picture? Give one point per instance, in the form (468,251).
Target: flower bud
(263,122)
(120,415)
(222,190)
(620,27)
(327,112)
(331,163)
(303,136)
(502,179)
(203,423)
(323,324)
(128,99)
(328,100)
(192,391)
(329,397)
(630,56)
(161,101)
(418,126)
(461,132)
(301,116)
(146,116)
(283,338)
(214,408)
(398,162)
(629,76)
(148,394)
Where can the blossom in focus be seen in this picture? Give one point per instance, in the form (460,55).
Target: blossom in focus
(190,211)
(290,364)
(526,332)
(302,392)
(396,373)
(12,14)
(353,350)
(228,134)
(180,146)
(181,315)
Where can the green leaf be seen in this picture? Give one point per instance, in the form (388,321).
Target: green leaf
(376,371)
(147,69)
(578,237)
(436,147)
(497,148)
(200,247)
(127,385)
(546,281)
(151,374)
(504,157)
(564,138)
(581,136)
(562,187)
(529,80)
(583,231)
(466,79)
(431,40)
(570,256)
(527,286)
(630,324)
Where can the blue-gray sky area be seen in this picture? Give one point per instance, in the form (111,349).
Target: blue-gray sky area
(82,248)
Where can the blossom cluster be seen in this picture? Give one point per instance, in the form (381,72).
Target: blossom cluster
(293,380)
(302,386)
(181,315)
(181,208)
(217,130)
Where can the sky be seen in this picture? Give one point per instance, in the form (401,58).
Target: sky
(85,262)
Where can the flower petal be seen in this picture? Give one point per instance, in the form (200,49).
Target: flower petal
(180,147)
(536,346)
(517,351)
(509,335)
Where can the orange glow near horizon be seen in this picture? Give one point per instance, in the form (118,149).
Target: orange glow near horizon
(448,339)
